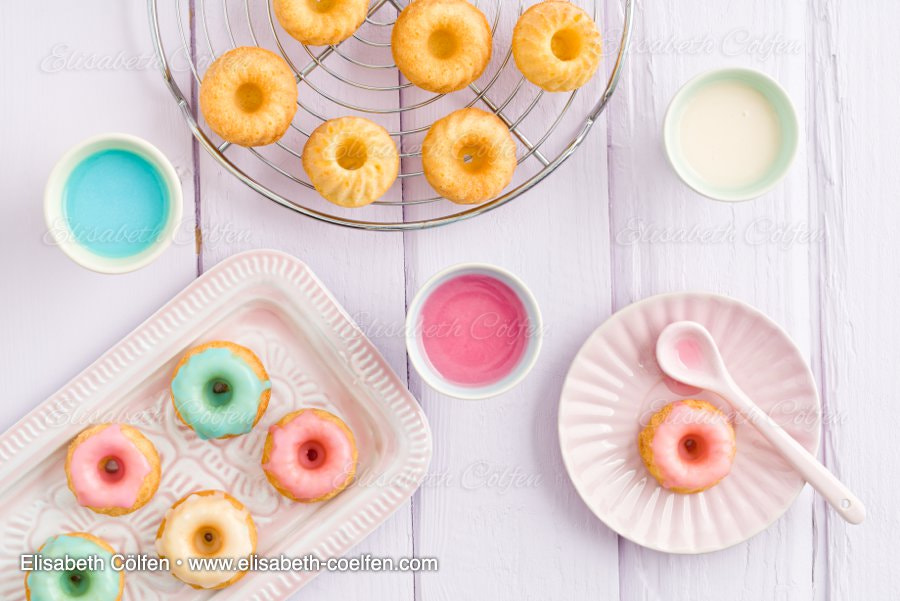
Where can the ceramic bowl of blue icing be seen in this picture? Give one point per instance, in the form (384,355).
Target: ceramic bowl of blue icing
(113,203)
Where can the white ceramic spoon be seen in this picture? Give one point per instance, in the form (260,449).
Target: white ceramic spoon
(687,352)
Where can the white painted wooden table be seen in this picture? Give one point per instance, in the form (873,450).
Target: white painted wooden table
(819,255)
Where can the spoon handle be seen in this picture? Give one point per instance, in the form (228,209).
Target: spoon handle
(833,490)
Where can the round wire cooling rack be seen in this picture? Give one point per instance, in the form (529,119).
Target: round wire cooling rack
(358,77)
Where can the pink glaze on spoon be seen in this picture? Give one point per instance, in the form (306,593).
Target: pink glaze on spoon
(690,353)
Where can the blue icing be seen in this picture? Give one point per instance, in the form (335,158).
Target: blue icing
(116,203)
(97,585)
(212,413)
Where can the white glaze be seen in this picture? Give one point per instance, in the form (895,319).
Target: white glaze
(730,134)
(215,511)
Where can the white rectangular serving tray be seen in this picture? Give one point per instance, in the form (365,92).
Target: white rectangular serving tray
(316,357)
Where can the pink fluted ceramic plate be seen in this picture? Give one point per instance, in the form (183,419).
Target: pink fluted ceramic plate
(615,385)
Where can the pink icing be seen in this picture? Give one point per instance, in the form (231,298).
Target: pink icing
(118,486)
(692,448)
(690,353)
(474,330)
(310,456)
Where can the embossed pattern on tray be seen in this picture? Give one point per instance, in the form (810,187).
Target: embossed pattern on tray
(316,357)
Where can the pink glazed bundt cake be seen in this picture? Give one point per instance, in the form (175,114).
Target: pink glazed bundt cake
(688,446)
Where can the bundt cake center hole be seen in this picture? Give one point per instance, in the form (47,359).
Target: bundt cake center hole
(75,584)
(311,454)
(219,392)
(322,6)
(692,448)
(352,154)
(442,43)
(474,157)
(566,44)
(249,97)
(207,540)
(111,469)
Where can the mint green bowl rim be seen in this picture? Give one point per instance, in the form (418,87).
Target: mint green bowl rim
(787,115)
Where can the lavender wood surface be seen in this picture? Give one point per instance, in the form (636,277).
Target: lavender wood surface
(614,225)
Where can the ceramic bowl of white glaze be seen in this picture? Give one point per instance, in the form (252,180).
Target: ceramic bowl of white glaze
(785,116)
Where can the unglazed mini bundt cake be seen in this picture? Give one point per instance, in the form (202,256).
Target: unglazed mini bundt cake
(441,45)
(249,96)
(688,446)
(557,46)
(321,22)
(351,161)
(469,156)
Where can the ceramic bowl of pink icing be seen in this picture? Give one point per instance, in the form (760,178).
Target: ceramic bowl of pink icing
(473,331)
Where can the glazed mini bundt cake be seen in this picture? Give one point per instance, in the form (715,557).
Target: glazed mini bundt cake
(688,446)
